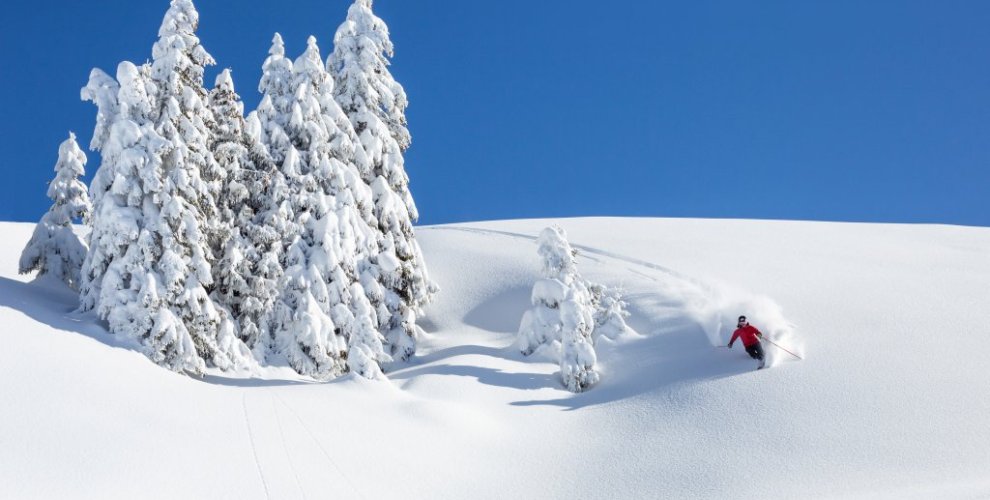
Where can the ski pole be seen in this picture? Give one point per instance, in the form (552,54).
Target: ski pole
(782,349)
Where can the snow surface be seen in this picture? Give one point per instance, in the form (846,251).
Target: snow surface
(891,401)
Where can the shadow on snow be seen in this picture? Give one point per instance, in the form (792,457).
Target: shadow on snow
(50,302)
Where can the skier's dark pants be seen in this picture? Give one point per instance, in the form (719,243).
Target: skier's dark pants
(755,351)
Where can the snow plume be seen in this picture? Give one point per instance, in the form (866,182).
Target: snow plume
(718,315)
(375,105)
(568,314)
(154,222)
(54,248)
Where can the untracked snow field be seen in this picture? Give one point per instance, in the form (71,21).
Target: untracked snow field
(891,400)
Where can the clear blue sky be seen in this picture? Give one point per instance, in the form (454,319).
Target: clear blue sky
(838,110)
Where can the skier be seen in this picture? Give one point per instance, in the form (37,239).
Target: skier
(751,341)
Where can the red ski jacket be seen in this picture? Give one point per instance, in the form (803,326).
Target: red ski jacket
(748,334)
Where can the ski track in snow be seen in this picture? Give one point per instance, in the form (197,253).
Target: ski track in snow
(254,448)
(285,449)
(319,445)
(584,248)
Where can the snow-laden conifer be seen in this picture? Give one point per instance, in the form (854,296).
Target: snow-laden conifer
(351,223)
(247,271)
(562,321)
(323,323)
(359,63)
(149,273)
(268,125)
(375,104)
(610,311)
(542,326)
(54,248)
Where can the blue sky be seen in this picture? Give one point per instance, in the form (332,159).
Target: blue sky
(839,110)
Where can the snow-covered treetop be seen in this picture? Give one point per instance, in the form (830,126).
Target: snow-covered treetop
(360,63)
(310,64)
(66,190)
(276,71)
(225,81)
(361,21)
(101,90)
(181,17)
(558,256)
(278,46)
(71,159)
(228,110)
(178,52)
(71,162)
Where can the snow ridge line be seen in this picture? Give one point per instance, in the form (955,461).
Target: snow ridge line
(254,449)
(586,249)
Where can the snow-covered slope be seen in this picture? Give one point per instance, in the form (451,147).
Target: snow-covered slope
(892,399)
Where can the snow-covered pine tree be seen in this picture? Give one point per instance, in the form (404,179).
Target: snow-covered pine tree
(305,333)
(268,124)
(350,239)
(150,269)
(323,324)
(610,311)
(273,112)
(561,322)
(54,248)
(375,104)
(542,325)
(247,271)
(577,350)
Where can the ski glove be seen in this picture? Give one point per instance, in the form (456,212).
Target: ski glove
(730,345)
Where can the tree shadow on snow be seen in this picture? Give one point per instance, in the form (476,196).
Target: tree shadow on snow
(502,312)
(50,302)
(484,375)
(438,363)
(257,382)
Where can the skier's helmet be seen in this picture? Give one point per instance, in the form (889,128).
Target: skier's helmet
(742,319)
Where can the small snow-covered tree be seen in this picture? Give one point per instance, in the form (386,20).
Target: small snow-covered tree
(54,248)
(149,273)
(568,313)
(542,325)
(375,104)
(610,311)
